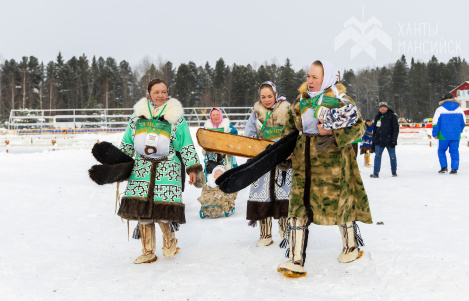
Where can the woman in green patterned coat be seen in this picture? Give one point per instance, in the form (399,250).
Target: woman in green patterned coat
(160,137)
(327,188)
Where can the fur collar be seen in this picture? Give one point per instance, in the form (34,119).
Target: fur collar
(225,124)
(279,114)
(303,89)
(171,113)
(450,99)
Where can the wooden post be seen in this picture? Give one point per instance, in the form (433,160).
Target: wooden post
(6,143)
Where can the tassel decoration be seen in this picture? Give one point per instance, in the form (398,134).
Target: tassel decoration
(173,226)
(136,234)
(252,224)
(358,235)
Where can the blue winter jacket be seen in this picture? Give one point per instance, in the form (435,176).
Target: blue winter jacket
(367,137)
(449,120)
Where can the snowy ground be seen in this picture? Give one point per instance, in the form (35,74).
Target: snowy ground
(60,240)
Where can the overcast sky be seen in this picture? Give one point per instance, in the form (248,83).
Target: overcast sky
(350,34)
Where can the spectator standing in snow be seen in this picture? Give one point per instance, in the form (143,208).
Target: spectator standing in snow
(448,124)
(385,132)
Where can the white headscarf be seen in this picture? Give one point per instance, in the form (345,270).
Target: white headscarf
(331,77)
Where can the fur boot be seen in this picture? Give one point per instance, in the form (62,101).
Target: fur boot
(147,235)
(282,225)
(266,233)
(350,252)
(298,239)
(169,241)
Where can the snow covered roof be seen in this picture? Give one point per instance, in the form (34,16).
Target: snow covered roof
(457,88)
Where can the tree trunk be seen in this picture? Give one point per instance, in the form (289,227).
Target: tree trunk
(24,87)
(13,87)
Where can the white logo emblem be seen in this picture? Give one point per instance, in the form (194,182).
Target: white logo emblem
(363,34)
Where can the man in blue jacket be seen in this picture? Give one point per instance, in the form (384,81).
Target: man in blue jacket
(448,124)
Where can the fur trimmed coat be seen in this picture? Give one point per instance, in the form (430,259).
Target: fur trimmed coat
(154,189)
(268,196)
(327,188)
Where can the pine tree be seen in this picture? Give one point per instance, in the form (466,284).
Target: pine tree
(51,85)
(262,75)
(286,81)
(83,81)
(419,92)
(127,79)
(385,89)
(220,82)
(11,83)
(434,78)
(400,84)
(243,89)
(185,86)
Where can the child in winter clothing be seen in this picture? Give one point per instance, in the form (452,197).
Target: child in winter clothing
(365,147)
(213,200)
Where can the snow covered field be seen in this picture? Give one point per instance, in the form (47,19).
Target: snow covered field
(60,240)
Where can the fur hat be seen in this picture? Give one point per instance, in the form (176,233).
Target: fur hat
(447,96)
(218,167)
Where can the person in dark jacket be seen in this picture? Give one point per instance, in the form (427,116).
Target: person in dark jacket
(385,132)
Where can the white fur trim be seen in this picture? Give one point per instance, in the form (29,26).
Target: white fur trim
(211,181)
(225,124)
(171,113)
(218,167)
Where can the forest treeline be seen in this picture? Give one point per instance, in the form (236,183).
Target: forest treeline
(412,89)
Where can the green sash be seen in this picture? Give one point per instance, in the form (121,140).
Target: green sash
(222,130)
(153,126)
(327,101)
(272,133)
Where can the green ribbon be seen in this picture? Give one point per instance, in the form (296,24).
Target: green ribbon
(148,103)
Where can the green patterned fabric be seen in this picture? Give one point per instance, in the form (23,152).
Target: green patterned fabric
(327,101)
(168,186)
(337,193)
(272,133)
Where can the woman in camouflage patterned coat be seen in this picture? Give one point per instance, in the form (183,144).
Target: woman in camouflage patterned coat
(160,137)
(327,188)
(268,196)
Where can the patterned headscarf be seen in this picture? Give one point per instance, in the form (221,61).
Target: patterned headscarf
(274,88)
(221,116)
